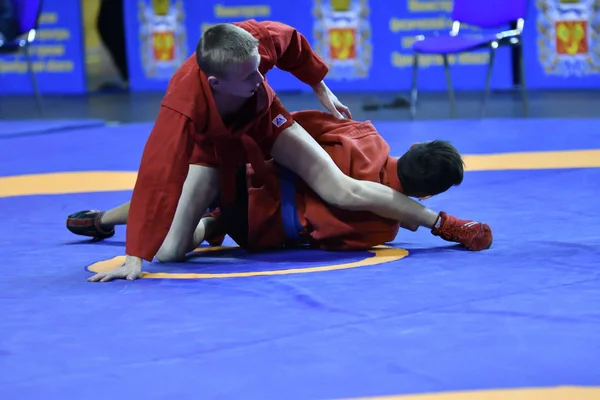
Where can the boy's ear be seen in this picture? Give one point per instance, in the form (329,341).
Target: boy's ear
(213,81)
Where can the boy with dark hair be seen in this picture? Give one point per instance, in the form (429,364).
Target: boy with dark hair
(430,168)
(288,213)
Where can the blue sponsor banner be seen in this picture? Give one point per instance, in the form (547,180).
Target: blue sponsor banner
(383,34)
(57,54)
(158,41)
(367,43)
(562,44)
(161,35)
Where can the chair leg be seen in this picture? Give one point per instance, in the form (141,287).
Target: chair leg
(414,90)
(523,86)
(450,87)
(488,81)
(34,85)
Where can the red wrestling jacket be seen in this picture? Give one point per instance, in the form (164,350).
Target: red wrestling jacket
(189,130)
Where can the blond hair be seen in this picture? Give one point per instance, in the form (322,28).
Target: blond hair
(221,45)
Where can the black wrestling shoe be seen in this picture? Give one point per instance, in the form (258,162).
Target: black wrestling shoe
(87,223)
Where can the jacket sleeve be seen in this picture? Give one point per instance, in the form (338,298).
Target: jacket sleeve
(162,172)
(294,53)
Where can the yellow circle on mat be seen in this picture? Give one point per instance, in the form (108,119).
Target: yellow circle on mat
(110,181)
(382,254)
(66,183)
(553,393)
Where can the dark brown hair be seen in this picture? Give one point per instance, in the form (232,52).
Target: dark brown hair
(430,168)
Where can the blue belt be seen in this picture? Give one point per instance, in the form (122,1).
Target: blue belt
(289,211)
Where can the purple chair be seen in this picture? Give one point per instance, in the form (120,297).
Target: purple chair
(28,15)
(487,14)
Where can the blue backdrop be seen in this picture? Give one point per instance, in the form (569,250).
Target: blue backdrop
(369,47)
(58,56)
(562,44)
(365,42)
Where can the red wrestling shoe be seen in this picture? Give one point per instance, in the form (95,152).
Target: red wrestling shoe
(475,236)
(87,223)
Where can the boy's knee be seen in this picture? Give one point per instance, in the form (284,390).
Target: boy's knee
(170,254)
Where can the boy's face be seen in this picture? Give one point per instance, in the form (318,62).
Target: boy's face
(241,80)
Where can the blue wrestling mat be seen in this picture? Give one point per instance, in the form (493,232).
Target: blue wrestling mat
(497,135)
(16,128)
(423,316)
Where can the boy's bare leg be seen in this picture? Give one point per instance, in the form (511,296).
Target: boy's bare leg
(101,224)
(199,190)
(116,216)
(98,224)
(205,229)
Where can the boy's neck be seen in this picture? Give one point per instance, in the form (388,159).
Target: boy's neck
(227,104)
